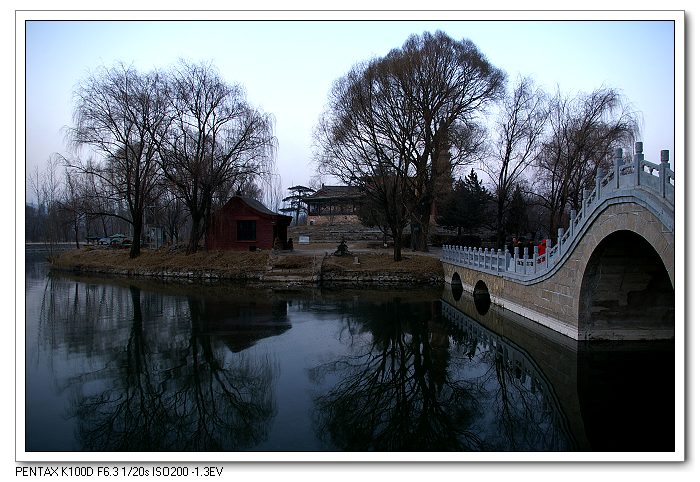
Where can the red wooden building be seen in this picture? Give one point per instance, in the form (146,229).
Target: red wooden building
(245,224)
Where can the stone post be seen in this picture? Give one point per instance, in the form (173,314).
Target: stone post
(586,193)
(498,261)
(600,174)
(516,256)
(572,218)
(663,172)
(560,234)
(548,243)
(506,257)
(526,257)
(617,165)
(638,158)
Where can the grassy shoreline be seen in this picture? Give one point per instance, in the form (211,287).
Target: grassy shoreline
(299,267)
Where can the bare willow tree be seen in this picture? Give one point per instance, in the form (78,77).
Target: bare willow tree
(363,141)
(448,84)
(117,111)
(415,121)
(518,132)
(271,186)
(582,132)
(46,186)
(215,139)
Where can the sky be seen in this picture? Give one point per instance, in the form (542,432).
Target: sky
(288,67)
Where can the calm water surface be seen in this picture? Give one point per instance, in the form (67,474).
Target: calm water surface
(136,365)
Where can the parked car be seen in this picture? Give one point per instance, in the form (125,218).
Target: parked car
(119,240)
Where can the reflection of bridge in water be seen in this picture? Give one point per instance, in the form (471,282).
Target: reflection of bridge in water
(608,395)
(610,275)
(541,363)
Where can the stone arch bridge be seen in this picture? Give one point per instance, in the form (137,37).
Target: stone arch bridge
(610,275)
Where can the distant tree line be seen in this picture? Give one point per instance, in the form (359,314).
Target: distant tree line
(169,147)
(403,127)
(163,147)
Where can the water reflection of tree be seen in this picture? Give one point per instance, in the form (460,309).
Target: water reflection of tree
(395,392)
(412,382)
(526,419)
(183,394)
(524,413)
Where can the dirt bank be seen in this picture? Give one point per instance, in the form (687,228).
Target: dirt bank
(360,269)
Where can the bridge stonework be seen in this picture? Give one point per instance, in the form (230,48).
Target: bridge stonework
(604,282)
(555,300)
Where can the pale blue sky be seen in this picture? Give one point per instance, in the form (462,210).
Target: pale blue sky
(288,67)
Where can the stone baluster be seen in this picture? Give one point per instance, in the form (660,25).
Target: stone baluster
(526,256)
(663,172)
(638,158)
(560,234)
(498,261)
(506,258)
(516,257)
(586,193)
(493,256)
(617,163)
(572,218)
(534,259)
(600,174)
(548,244)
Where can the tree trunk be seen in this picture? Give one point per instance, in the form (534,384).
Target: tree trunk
(500,225)
(136,241)
(195,233)
(396,234)
(424,234)
(76,229)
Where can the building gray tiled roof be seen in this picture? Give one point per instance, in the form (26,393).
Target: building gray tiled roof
(258,206)
(334,192)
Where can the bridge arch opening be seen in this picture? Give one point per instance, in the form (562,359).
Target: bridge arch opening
(626,291)
(482,298)
(457,287)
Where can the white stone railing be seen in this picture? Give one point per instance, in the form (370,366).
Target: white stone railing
(641,181)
